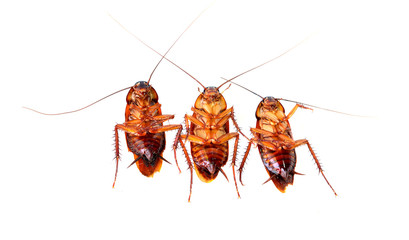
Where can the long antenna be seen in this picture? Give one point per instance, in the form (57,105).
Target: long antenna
(304,104)
(325,109)
(243,87)
(140,40)
(194,20)
(251,69)
(73,111)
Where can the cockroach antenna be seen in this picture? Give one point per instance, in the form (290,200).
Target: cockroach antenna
(194,20)
(77,110)
(163,56)
(251,69)
(283,99)
(297,102)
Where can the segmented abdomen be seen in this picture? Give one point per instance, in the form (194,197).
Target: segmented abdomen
(208,159)
(148,148)
(280,166)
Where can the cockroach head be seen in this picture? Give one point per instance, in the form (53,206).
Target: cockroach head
(142,91)
(141,88)
(269,105)
(211,101)
(211,92)
(270,102)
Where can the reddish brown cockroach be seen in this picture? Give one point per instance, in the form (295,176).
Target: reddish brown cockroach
(144,129)
(208,134)
(276,145)
(275,142)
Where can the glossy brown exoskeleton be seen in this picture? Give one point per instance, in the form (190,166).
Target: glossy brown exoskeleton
(144,129)
(208,134)
(276,145)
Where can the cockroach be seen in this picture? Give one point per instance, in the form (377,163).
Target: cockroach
(208,134)
(276,145)
(144,129)
(275,142)
(143,126)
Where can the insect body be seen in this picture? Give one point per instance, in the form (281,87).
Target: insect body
(144,130)
(275,143)
(208,133)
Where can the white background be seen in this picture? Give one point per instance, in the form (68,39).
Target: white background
(56,172)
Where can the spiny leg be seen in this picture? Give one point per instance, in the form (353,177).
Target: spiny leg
(237,125)
(244,161)
(116,153)
(129,128)
(175,145)
(256,133)
(236,143)
(187,125)
(117,156)
(189,164)
(305,141)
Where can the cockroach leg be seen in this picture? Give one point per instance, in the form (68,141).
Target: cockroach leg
(175,145)
(117,157)
(244,161)
(265,133)
(195,121)
(187,125)
(236,144)
(190,165)
(116,154)
(236,125)
(305,141)
(291,113)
